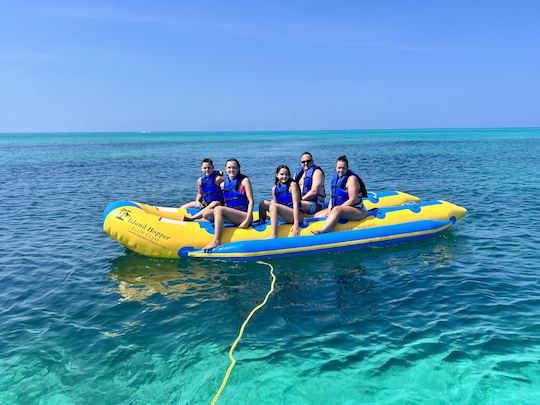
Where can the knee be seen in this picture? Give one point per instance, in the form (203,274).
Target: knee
(273,207)
(338,210)
(321,213)
(218,211)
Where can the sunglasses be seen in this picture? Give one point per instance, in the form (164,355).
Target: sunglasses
(305,162)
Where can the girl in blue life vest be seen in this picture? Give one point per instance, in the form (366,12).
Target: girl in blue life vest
(285,202)
(209,194)
(310,180)
(238,200)
(346,200)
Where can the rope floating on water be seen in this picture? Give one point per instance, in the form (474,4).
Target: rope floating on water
(233,361)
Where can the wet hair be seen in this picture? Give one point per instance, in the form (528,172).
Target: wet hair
(307,153)
(206,160)
(343,159)
(277,171)
(233,160)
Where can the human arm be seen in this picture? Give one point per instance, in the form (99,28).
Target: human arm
(353,190)
(330,204)
(199,198)
(249,214)
(218,180)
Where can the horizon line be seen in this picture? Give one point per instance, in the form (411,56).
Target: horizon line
(264,131)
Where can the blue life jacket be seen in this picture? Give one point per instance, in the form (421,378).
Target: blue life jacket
(339,189)
(210,191)
(283,195)
(308,182)
(233,198)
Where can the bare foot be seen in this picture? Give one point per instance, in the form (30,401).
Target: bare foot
(272,237)
(211,245)
(316,232)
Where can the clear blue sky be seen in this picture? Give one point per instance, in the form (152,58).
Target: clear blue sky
(268,65)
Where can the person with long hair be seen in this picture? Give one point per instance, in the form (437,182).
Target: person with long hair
(285,202)
(238,203)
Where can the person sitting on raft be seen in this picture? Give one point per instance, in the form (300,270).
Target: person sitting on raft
(310,179)
(285,202)
(209,194)
(348,189)
(238,200)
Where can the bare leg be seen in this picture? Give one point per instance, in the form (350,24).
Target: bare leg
(263,207)
(220,214)
(305,206)
(278,211)
(215,216)
(287,214)
(340,212)
(274,218)
(209,215)
(191,204)
(202,212)
(322,213)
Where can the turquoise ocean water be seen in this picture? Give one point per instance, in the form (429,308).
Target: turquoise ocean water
(454,319)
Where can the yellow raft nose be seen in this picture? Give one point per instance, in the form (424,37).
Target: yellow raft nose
(455,210)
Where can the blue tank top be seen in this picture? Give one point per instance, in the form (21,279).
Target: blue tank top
(210,191)
(339,189)
(232,197)
(308,182)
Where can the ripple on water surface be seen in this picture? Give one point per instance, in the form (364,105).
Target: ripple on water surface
(453,319)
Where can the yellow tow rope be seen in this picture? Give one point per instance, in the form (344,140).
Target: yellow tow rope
(233,361)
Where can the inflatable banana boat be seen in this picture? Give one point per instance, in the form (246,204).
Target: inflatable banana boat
(160,231)
(382,227)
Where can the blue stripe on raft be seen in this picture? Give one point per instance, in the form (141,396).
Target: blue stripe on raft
(184,251)
(411,205)
(323,250)
(374,197)
(252,246)
(117,204)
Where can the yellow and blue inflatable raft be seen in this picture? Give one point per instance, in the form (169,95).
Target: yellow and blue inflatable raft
(160,232)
